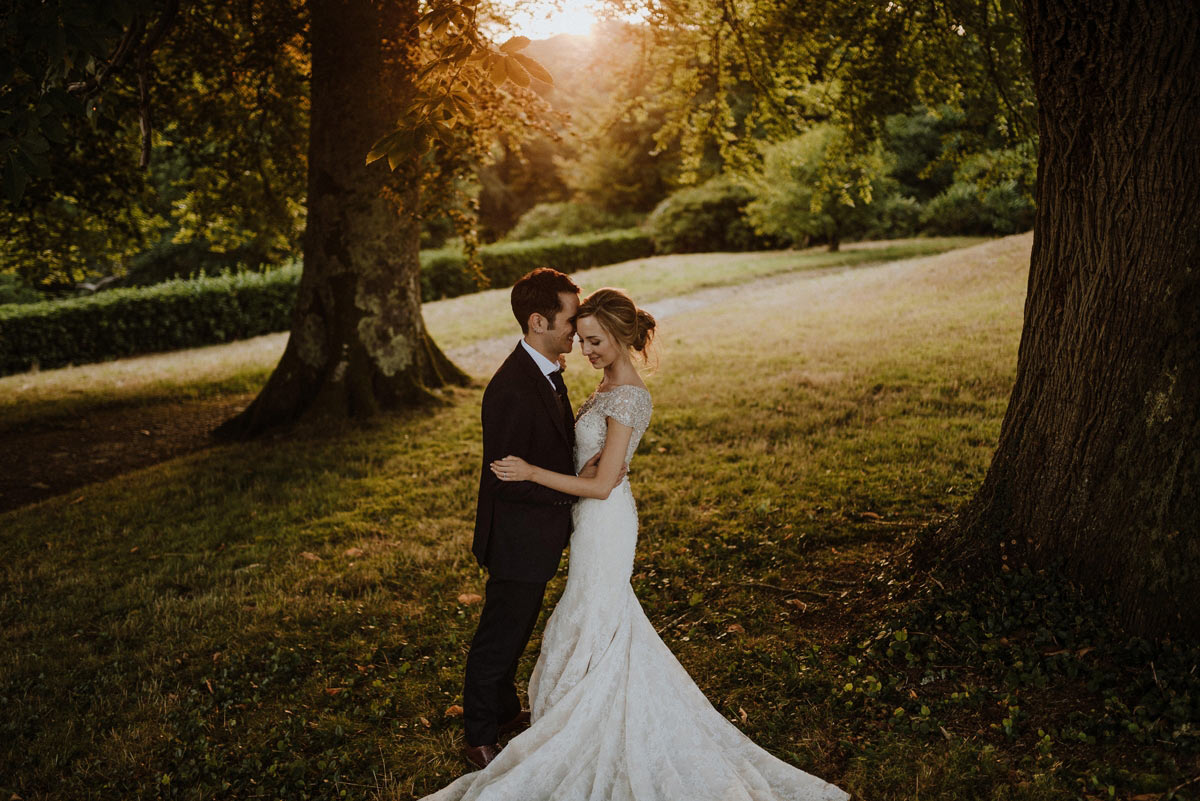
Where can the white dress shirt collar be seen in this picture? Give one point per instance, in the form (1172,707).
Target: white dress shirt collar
(545,365)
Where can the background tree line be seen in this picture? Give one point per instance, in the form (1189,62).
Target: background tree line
(662,123)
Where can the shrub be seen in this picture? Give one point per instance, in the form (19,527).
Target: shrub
(167,260)
(956,211)
(965,209)
(992,194)
(15,290)
(894,216)
(121,322)
(919,149)
(709,217)
(188,313)
(817,185)
(445,274)
(567,219)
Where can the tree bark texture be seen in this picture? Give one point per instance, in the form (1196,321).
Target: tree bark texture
(1097,471)
(358,342)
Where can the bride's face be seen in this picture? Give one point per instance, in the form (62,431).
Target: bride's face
(596,343)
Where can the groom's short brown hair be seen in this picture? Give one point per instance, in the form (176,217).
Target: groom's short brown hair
(537,291)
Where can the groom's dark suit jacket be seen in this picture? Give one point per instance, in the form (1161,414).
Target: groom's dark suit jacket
(521,528)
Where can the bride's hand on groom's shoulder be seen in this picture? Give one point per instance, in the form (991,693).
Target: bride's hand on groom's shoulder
(512,468)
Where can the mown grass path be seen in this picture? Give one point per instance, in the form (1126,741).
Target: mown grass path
(289,618)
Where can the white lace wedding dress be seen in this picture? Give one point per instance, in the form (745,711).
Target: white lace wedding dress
(615,717)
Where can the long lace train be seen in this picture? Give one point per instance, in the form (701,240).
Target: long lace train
(615,717)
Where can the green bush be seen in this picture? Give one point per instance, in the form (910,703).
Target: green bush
(992,194)
(709,217)
(15,290)
(818,185)
(567,219)
(444,273)
(964,209)
(919,148)
(956,211)
(894,216)
(189,313)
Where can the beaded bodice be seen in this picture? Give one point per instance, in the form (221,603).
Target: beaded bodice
(628,404)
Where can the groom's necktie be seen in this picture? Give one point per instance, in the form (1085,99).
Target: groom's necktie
(560,389)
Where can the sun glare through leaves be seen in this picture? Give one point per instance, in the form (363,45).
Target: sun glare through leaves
(543,20)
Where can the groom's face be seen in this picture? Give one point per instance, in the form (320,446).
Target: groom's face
(561,331)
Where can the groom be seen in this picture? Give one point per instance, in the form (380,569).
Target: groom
(521,528)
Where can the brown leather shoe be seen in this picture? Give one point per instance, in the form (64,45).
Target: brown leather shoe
(520,720)
(480,755)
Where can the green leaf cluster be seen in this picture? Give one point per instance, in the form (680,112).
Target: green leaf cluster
(228,95)
(817,185)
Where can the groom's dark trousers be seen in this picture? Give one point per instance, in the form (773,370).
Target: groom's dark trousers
(521,529)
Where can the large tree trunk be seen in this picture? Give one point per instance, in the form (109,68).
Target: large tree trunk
(358,342)
(1097,472)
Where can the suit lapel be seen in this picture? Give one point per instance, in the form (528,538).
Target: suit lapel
(544,391)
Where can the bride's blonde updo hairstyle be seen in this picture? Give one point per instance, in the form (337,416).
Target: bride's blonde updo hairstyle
(617,314)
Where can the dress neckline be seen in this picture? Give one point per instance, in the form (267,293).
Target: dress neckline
(618,386)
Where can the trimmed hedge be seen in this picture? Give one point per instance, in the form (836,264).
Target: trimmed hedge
(189,313)
(183,313)
(444,273)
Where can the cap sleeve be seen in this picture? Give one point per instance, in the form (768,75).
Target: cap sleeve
(629,405)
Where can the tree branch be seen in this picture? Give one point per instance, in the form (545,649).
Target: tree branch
(135,40)
(143,73)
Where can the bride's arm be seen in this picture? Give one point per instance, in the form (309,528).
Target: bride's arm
(608,473)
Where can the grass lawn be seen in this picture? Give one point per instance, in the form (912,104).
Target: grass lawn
(243,366)
(289,618)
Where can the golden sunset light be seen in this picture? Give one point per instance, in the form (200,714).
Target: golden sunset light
(334,462)
(543,20)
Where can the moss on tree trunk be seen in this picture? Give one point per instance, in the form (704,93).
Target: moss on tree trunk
(358,342)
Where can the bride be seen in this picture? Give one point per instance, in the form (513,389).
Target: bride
(614,716)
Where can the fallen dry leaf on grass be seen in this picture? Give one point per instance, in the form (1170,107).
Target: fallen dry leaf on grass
(353,553)
(468,598)
(310,556)
(454,711)
(424,722)
(735,628)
